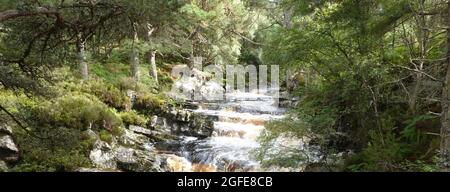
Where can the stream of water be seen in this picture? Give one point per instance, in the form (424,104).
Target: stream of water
(239,122)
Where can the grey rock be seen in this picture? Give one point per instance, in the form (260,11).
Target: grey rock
(179,115)
(163,125)
(138,161)
(125,155)
(284,95)
(177,122)
(184,129)
(154,121)
(5,129)
(141,130)
(8,149)
(91,134)
(169,145)
(183,115)
(129,138)
(177,164)
(175,128)
(285,104)
(132,95)
(93,170)
(102,156)
(174,113)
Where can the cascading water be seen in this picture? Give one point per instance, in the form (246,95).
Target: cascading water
(239,122)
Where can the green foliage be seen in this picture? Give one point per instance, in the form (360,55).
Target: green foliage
(42,160)
(50,147)
(402,152)
(296,127)
(117,76)
(322,118)
(105,136)
(410,132)
(149,103)
(108,94)
(356,65)
(77,111)
(382,154)
(274,151)
(133,118)
(56,140)
(217,28)
(352,55)
(111,72)
(126,83)
(14,101)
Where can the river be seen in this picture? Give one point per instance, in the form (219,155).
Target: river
(239,121)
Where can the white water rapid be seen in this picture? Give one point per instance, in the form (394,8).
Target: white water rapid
(239,122)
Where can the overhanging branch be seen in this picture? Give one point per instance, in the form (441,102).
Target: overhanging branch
(14,13)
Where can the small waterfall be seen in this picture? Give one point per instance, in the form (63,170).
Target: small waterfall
(240,121)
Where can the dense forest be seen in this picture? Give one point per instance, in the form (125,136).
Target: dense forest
(85,84)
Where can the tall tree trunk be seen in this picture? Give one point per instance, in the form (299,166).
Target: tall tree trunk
(81,54)
(287,22)
(415,94)
(445,121)
(135,56)
(287,18)
(423,36)
(153,71)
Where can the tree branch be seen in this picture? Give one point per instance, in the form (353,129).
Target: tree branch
(19,123)
(419,71)
(14,13)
